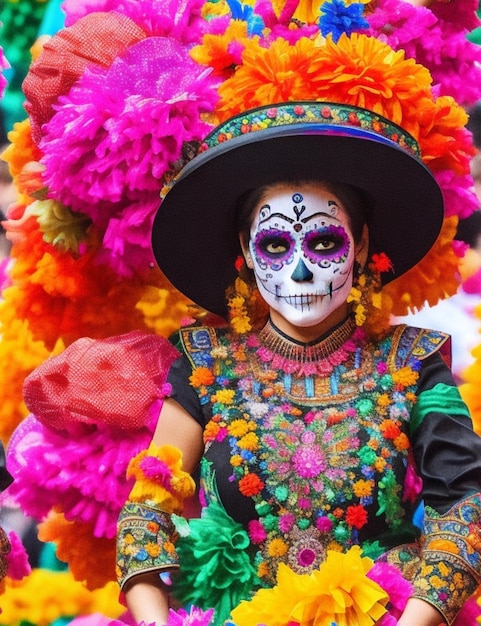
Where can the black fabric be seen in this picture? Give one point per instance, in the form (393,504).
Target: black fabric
(446,449)
(183,392)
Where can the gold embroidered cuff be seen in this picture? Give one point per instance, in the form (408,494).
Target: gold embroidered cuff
(450,570)
(145,542)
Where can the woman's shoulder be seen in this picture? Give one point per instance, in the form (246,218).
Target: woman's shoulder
(407,342)
(197,342)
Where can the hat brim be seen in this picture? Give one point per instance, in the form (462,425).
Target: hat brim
(194,234)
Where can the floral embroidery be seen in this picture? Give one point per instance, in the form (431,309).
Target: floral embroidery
(320,458)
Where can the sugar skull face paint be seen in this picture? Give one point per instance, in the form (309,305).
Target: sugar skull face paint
(302,252)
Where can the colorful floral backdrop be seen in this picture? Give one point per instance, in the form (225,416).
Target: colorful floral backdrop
(111,99)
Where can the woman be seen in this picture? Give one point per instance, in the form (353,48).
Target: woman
(314,432)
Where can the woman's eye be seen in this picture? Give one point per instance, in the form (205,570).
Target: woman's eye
(274,247)
(324,244)
(278,246)
(328,243)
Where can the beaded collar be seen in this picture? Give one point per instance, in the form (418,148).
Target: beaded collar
(307,359)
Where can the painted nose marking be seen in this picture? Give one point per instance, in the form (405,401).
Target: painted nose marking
(301,273)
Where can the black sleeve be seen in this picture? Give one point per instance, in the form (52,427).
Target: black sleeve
(446,449)
(183,392)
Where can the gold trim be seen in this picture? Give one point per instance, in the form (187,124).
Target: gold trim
(281,345)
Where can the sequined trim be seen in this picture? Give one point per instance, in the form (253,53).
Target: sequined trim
(315,114)
(145,542)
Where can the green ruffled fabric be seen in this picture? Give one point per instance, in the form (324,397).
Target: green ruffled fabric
(216,571)
(436,400)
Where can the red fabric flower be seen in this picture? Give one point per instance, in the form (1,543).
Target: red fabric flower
(250,485)
(356,516)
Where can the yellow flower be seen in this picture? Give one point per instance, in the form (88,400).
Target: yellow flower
(236,460)
(362,488)
(179,486)
(224,396)
(458,581)
(241,324)
(249,442)
(46,596)
(152,549)
(219,352)
(360,315)
(238,428)
(277,547)
(384,400)
(405,376)
(339,591)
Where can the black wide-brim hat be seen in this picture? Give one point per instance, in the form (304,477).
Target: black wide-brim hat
(195,240)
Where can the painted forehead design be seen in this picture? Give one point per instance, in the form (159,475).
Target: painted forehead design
(298,209)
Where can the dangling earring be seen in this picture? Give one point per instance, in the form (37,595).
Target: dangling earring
(365,291)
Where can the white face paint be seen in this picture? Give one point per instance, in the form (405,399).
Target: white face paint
(303,253)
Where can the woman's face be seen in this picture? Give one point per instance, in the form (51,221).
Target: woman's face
(302,252)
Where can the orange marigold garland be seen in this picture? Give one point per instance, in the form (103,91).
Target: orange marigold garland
(76,545)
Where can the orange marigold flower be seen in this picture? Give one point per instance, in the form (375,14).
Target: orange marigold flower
(152,549)
(169,547)
(201,376)
(338,513)
(262,570)
(250,485)
(385,453)
(362,488)
(211,431)
(384,400)
(389,429)
(434,278)
(277,547)
(402,442)
(215,49)
(152,527)
(405,377)
(380,464)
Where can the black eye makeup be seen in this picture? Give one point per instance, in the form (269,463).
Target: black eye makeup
(330,243)
(272,244)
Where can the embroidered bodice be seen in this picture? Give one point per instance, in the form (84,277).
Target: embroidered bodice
(316,437)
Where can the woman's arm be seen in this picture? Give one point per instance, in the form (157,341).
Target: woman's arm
(420,613)
(145,594)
